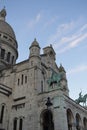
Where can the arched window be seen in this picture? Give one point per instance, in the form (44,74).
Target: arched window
(22,78)
(18,82)
(47,120)
(69,119)
(78,122)
(15,124)
(8,57)
(21,124)
(12,59)
(42,87)
(85,123)
(2,53)
(2,113)
(25,79)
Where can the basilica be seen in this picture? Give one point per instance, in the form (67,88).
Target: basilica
(34,93)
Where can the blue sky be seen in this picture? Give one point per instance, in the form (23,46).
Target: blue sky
(62,23)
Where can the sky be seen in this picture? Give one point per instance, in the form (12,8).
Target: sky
(62,23)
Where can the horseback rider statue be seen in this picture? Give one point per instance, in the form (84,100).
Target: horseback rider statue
(81,99)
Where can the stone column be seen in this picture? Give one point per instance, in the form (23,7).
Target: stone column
(18,124)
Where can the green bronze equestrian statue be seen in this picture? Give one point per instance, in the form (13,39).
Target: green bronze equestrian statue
(55,77)
(81,98)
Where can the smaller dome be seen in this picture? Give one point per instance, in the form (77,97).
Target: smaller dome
(35,43)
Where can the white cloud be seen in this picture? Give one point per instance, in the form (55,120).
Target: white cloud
(69,38)
(66,26)
(78,69)
(37,17)
(51,21)
(78,40)
(83,27)
(63,41)
(61,31)
(73,43)
(75,35)
(34,21)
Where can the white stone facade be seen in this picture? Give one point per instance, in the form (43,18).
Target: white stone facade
(24,91)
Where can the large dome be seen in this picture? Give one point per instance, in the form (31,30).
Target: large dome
(7,29)
(8,43)
(4,26)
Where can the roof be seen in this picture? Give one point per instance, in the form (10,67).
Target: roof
(7,29)
(35,43)
(4,26)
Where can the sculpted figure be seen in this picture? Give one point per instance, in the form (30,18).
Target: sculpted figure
(55,78)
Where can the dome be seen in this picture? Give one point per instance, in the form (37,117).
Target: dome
(8,43)
(4,26)
(7,29)
(35,43)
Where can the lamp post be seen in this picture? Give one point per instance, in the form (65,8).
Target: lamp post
(49,104)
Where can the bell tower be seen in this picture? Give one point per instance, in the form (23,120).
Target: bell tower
(34,49)
(34,56)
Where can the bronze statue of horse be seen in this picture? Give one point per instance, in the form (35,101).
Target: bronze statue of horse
(81,99)
(55,78)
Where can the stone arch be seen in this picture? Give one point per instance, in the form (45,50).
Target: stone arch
(84,123)
(78,122)
(47,120)
(70,119)
(2,112)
